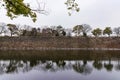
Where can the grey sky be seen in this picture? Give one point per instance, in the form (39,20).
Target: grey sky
(97,13)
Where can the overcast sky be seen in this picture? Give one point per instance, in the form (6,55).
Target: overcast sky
(97,13)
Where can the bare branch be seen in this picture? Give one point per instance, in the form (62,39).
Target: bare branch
(41,8)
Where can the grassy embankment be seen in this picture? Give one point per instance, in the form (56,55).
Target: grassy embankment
(36,43)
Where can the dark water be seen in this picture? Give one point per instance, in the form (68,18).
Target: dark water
(60,65)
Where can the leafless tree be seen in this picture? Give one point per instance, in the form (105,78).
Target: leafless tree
(13,29)
(3,28)
(86,28)
(117,31)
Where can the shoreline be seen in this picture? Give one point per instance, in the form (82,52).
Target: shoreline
(96,49)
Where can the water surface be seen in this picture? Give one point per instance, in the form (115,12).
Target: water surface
(60,65)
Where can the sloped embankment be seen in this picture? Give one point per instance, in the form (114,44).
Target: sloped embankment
(23,43)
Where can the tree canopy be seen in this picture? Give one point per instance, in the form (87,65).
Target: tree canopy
(77,29)
(84,28)
(96,32)
(19,7)
(107,31)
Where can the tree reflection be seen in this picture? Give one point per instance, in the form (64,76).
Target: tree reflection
(82,68)
(60,63)
(14,66)
(108,66)
(117,67)
(97,64)
(84,62)
(11,67)
(48,65)
(33,63)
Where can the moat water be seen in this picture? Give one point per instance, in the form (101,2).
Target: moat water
(60,65)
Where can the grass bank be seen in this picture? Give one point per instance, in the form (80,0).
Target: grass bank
(39,43)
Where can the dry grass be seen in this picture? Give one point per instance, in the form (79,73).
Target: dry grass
(58,42)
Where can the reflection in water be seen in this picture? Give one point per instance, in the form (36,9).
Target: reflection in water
(13,66)
(117,66)
(82,68)
(98,64)
(63,65)
(108,66)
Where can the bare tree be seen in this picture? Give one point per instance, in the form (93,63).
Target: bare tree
(13,29)
(68,32)
(40,8)
(86,28)
(117,31)
(3,28)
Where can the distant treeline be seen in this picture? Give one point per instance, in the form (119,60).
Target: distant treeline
(51,31)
